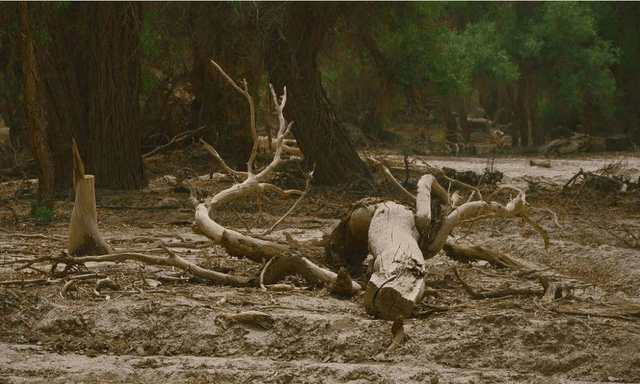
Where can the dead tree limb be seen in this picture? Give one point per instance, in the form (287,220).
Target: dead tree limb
(496,294)
(172,261)
(384,171)
(292,264)
(234,242)
(176,139)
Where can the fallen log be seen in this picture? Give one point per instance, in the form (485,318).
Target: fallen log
(397,283)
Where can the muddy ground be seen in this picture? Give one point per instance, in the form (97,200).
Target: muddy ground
(148,329)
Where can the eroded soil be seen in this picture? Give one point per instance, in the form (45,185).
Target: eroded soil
(153,330)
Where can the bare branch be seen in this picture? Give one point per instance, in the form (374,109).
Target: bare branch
(245,92)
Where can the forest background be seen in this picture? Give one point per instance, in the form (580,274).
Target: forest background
(123,78)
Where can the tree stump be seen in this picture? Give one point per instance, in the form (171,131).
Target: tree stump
(397,283)
(84,235)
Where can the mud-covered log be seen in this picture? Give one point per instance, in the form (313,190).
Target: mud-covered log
(84,235)
(397,283)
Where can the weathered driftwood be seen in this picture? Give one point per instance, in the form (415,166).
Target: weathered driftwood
(401,244)
(173,261)
(84,235)
(234,242)
(293,264)
(397,283)
(426,185)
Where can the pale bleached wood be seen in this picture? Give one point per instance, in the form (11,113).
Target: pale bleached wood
(84,234)
(234,242)
(515,207)
(426,185)
(397,283)
(289,146)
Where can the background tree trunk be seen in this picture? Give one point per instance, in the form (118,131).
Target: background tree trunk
(291,58)
(215,103)
(532,101)
(115,154)
(33,111)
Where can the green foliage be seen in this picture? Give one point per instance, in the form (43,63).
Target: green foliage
(40,210)
(463,55)
(59,6)
(43,38)
(150,37)
(438,134)
(149,83)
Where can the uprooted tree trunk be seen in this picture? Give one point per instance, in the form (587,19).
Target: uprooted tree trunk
(84,235)
(397,283)
(401,241)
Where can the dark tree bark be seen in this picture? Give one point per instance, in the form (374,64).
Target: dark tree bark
(291,57)
(33,111)
(532,101)
(225,35)
(520,128)
(521,114)
(115,154)
(589,117)
(92,80)
(64,72)
(515,132)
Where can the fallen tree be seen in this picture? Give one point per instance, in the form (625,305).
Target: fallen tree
(402,242)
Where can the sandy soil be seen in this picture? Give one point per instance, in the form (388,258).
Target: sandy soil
(153,331)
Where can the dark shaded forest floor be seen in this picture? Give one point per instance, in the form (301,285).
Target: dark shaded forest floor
(152,330)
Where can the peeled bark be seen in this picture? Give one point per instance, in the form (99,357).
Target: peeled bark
(397,283)
(84,235)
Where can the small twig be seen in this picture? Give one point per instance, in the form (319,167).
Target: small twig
(224,165)
(254,133)
(493,295)
(35,236)
(266,266)
(385,171)
(177,138)
(293,207)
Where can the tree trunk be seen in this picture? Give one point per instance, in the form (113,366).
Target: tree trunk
(84,235)
(449,122)
(521,114)
(33,111)
(292,61)
(397,283)
(216,37)
(91,74)
(589,118)
(114,151)
(532,101)
(464,124)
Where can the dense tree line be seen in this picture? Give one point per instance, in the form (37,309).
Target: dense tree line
(123,77)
